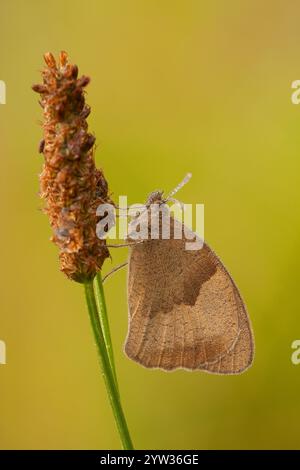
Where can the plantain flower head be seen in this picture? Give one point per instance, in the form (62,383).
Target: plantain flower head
(70,184)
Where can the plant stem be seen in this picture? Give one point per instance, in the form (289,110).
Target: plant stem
(101,304)
(106,367)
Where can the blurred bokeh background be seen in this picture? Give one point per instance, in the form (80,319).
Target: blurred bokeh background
(177,86)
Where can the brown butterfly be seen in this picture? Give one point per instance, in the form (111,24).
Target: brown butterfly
(185,310)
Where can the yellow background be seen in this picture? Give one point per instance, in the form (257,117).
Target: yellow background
(177,86)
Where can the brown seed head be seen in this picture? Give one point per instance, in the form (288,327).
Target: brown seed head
(71,185)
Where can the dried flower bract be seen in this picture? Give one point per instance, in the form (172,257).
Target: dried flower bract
(71,185)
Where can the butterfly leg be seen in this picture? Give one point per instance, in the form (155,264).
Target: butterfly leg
(113,271)
(121,245)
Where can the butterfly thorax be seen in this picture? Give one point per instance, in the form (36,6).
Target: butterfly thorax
(155,197)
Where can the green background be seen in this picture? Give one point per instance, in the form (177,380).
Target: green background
(176,86)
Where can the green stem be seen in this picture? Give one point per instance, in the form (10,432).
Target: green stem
(106,368)
(101,304)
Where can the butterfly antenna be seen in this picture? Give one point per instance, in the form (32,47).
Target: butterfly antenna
(185,180)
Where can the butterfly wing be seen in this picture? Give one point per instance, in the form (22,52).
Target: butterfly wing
(185,311)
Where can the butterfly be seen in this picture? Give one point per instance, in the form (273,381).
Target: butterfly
(185,310)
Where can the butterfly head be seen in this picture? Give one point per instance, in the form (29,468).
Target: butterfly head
(156,197)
